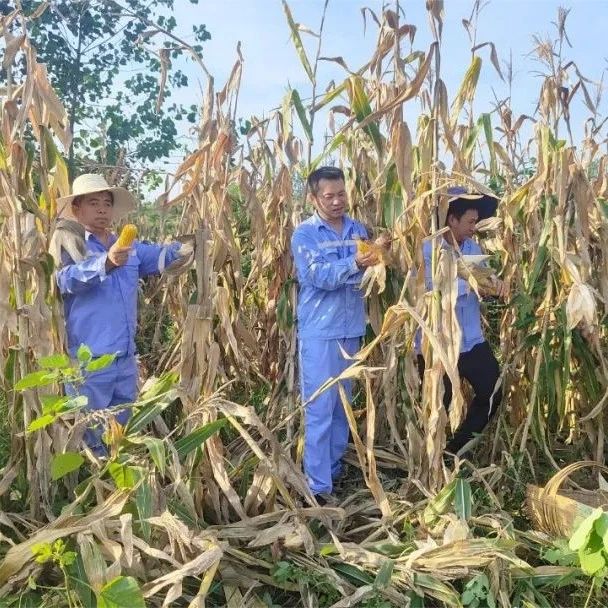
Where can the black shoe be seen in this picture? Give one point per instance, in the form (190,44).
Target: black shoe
(326,500)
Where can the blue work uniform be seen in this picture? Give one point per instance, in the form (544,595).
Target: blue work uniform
(330,318)
(468,310)
(100,310)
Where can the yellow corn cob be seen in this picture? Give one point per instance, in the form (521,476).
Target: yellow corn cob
(363,247)
(127,235)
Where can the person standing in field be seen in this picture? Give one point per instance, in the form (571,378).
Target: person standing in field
(98,280)
(331,321)
(476,363)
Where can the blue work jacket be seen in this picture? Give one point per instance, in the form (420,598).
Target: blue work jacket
(330,303)
(101,307)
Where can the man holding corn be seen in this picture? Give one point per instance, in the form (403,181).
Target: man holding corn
(98,275)
(331,321)
(476,362)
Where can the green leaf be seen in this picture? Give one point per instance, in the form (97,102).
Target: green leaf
(100,363)
(486,121)
(60,361)
(580,537)
(416,601)
(53,403)
(84,354)
(161,386)
(284,312)
(147,412)
(297,41)
(122,592)
(440,504)
(383,578)
(301,112)
(353,573)
(600,525)
(75,403)
(591,561)
(125,477)
(190,442)
(360,105)
(36,379)
(79,581)
(65,463)
(143,502)
(469,145)
(156,448)
(286,116)
(43,552)
(41,422)
(9,368)
(462,499)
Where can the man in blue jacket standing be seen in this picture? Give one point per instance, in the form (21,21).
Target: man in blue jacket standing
(476,362)
(98,280)
(331,321)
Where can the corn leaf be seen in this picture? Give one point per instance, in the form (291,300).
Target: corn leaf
(297,41)
(196,438)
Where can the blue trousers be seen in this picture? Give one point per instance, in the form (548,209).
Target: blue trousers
(325,424)
(114,385)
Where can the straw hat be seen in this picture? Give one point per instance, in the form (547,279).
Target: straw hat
(485,204)
(88,183)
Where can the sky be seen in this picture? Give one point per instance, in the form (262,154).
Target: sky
(271,63)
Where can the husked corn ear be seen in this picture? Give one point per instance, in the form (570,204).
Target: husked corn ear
(127,235)
(367,247)
(363,247)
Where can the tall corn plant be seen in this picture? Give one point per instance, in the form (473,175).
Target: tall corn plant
(32,175)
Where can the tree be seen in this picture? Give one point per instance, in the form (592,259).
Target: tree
(114,83)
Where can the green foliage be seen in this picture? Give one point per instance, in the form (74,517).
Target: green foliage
(59,368)
(65,463)
(122,592)
(104,61)
(55,552)
(316,582)
(590,540)
(463,501)
(196,438)
(477,593)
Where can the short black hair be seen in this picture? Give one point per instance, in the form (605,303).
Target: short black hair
(331,173)
(460,209)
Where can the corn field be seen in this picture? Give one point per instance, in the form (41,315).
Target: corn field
(202,502)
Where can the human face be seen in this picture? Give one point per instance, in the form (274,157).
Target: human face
(331,199)
(465,227)
(94,211)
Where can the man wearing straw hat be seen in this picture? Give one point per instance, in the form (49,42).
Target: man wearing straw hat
(331,321)
(476,362)
(98,280)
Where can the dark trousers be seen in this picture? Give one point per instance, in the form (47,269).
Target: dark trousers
(480,368)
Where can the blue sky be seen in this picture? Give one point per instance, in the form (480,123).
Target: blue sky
(271,63)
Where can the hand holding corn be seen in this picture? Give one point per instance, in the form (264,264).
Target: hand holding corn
(119,252)
(370,253)
(365,257)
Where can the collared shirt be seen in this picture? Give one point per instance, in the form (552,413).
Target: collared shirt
(101,307)
(468,311)
(330,303)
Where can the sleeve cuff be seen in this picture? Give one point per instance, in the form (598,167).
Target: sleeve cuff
(162,260)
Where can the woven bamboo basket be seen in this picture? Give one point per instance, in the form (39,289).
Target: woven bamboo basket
(559,512)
